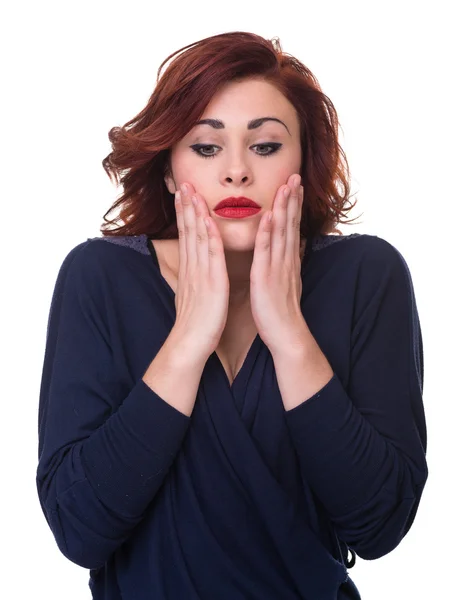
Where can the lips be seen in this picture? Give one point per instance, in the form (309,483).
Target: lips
(241,202)
(237,212)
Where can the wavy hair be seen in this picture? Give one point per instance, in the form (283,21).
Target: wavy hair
(140,156)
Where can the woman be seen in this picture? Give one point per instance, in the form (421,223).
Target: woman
(230,403)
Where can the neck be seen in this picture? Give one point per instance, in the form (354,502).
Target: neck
(239,269)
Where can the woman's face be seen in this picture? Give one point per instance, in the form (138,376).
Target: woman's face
(233,160)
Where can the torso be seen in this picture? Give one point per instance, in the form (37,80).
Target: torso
(240,330)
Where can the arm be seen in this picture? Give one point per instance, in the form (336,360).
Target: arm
(362,445)
(104,449)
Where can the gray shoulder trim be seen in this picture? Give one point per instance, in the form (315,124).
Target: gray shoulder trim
(135,242)
(323,241)
(138,242)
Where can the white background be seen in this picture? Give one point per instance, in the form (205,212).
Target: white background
(73,71)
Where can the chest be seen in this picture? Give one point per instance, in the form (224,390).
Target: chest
(235,343)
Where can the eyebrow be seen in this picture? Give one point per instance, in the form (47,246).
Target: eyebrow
(253,124)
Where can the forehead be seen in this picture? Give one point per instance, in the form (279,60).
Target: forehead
(238,102)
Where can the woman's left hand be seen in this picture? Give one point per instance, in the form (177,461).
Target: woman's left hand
(275,279)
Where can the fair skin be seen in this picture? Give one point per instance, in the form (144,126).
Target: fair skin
(241,165)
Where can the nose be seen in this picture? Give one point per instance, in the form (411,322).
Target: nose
(237,171)
(236,178)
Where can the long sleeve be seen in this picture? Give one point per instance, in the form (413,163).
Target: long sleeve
(362,445)
(105,442)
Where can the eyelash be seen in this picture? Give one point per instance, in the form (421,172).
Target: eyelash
(197,147)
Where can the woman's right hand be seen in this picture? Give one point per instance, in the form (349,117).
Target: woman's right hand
(203,287)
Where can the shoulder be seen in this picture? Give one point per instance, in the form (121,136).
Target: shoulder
(108,249)
(355,243)
(91,263)
(382,274)
(112,247)
(368,251)
(371,262)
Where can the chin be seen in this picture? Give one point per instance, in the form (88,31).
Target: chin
(239,245)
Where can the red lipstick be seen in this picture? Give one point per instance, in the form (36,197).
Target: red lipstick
(237,208)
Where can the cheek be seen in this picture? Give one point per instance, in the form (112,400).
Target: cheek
(282,170)
(185,168)
(192,172)
(281,175)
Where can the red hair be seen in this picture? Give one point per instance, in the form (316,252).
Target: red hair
(140,154)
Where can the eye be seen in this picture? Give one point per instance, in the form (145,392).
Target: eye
(273,148)
(203,150)
(199,148)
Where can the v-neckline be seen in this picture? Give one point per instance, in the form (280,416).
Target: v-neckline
(251,351)
(249,354)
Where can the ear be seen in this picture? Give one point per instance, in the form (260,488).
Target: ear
(170,183)
(168,178)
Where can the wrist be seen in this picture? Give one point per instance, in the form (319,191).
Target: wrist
(185,349)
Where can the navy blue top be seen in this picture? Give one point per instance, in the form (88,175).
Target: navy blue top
(242,500)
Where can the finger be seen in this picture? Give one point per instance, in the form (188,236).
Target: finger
(181,237)
(217,265)
(211,256)
(189,219)
(292,218)
(298,231)
(279,225)
(202,236)
(262,248)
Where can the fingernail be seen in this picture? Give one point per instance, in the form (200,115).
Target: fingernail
(184,188)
